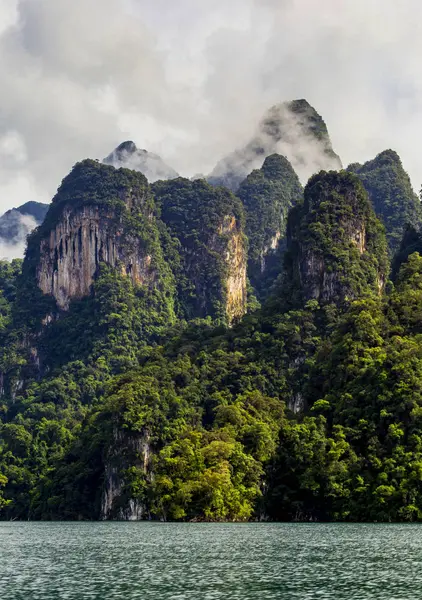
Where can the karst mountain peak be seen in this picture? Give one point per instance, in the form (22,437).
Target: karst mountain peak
(240,347)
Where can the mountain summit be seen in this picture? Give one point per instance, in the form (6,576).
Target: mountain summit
(16,223)
(151,165)
(293,129)
(391,193)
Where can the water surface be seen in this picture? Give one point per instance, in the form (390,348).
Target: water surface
(164,561)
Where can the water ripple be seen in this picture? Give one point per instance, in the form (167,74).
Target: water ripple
(157,561)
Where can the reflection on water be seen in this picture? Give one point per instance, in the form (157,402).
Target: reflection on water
(163,561)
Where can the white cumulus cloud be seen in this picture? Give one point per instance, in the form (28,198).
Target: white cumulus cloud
(190,80)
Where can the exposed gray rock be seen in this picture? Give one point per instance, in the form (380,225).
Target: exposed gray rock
(70,256)
(115,502)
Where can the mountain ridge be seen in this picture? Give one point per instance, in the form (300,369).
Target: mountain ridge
(172,352)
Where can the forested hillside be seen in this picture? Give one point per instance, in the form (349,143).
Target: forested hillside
(391,194)
(174,351)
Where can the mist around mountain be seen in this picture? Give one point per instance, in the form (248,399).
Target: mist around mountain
(127,155)
(170,350)
(292,129)
(16,224)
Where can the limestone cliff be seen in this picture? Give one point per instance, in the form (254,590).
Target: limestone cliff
(117,502)
(188,242)
(83,238)
(208,226)
(232,241)
(337,248)
(99,216)
(391,193)
(267,195)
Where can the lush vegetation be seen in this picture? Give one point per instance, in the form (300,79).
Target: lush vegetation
(267,195)
(338,240)
(309,408)
(200,220)
(391,194)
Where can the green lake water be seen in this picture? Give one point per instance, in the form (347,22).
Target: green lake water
(164,561)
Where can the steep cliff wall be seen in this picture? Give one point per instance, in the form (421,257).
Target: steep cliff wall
(208,225)
(391,193)
(103,215)
(117,503)
(100,215)
(336,244)
(80,241)
(267,195)
(233,244)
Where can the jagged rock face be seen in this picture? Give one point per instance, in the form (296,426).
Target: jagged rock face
(267,195)
(70,256)
(223,295)
(292,129)
(99,216)
(337,244)
(151,165)
(235,257)
(391,194)
(208,225)
(103,215)
(115,502)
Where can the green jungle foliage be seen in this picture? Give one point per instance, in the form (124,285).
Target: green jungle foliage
(411,242)
(200,219)
(336,246)
(391,194)
(309,408)
(115,314)
(267,195)
(9,273)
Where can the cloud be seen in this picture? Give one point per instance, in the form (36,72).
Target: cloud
(291,129)
(127,155)
(190,81)
(13,245)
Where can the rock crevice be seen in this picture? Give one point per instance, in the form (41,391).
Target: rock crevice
(70,256)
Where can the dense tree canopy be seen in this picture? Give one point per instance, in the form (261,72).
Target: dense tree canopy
(391,194)
(267,195)
(309,408)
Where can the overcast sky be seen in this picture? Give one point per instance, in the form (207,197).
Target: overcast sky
(189,79)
